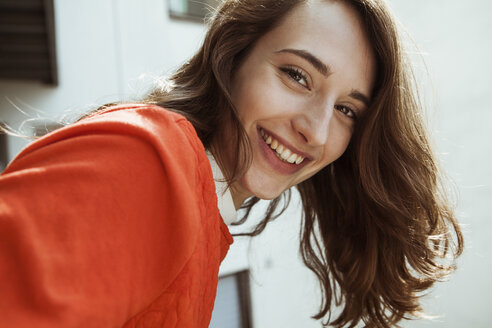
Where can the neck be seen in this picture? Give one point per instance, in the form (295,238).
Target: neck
(238,197)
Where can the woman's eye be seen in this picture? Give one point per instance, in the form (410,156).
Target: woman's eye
(296,75)
(347,111)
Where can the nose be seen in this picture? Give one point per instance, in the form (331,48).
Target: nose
(313,123)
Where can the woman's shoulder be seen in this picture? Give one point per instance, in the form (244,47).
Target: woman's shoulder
(137,108)
(163,128)
(170,134)
(149,119)
(148,116)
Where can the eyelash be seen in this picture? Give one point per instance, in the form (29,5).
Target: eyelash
(296,74)
(350,112)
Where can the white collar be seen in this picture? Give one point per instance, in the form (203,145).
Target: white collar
(225,202)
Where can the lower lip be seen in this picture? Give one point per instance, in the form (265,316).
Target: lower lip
(271,157)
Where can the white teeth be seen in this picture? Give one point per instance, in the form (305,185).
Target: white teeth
(283,152)
(292,158)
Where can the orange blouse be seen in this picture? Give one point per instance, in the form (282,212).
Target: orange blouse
(111,222)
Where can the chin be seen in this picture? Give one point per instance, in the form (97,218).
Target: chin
(262,188)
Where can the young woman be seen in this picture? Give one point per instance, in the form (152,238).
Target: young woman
(113,221)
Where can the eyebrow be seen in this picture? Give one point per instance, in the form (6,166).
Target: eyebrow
(357,95)
(313,60)
(325,70)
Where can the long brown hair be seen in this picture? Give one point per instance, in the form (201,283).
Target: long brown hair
(377,226)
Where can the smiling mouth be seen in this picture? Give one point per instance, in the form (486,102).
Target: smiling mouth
(282,152)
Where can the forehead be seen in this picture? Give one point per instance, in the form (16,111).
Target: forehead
(318,22)
(330,30)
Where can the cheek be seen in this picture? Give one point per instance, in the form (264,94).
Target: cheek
(263,98)
(338,142)
(245,103)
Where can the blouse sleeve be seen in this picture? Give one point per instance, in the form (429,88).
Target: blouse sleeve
(93,227)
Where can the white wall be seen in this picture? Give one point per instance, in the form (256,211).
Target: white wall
(284,292)
(455,37)
(107,50)
(87,70)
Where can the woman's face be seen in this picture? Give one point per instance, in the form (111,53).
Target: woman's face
(298,94)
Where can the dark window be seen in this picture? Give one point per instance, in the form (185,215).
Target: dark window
(27,40)
(232,307)
(192,9)
(3,151)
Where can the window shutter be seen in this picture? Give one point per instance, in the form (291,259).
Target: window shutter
(27,41)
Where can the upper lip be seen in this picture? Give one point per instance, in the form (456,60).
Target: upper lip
(288,145)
